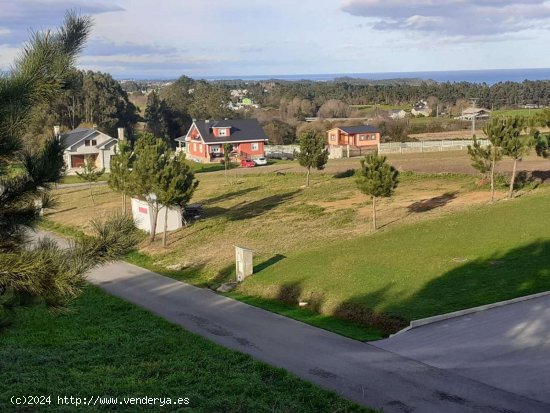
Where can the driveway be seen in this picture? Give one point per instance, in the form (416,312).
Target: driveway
(506,347)
(358,371)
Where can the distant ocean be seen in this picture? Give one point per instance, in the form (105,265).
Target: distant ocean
(475,76)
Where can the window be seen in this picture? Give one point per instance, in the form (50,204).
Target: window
(367,137)
(222,132)
(92,142)
(333,137)
(195,147)
(255,146)
(215,148)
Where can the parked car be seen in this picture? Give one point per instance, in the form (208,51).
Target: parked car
(248,163)
(260,161)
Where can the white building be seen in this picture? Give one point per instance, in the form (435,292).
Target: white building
(81,143)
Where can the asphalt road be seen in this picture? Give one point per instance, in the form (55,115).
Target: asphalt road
(506,347)
(358,371)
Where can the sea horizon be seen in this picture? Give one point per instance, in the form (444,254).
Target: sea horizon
(488,76)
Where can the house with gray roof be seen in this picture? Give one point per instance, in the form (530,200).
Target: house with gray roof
(87,143)
(205,139)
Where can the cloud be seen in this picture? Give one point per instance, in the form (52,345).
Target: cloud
(21,15)
(462,20)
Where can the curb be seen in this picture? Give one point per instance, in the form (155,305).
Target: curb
(454,314)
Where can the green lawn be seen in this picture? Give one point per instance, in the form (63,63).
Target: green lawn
(469,258)
(105,346)
(75,179)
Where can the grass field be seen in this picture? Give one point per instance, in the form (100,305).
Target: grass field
(517,112)
(107,347)
(315,244)
(469,258)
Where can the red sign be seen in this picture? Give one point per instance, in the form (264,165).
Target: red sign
(143,210)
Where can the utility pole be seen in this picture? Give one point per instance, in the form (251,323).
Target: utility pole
(473,101)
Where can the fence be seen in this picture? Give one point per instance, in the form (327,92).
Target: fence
(287,151)
(429,146)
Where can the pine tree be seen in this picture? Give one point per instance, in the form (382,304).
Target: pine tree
(495,130)
(514,145)
(482,157)
(43,272)
(90,174)
(377,179)
(175,186)
(227,148)
(151,157)
(312,151)
(120,177)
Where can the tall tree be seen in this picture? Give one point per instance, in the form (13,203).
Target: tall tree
(496,131)
(313,153)
(227,148)
(90,174)
(481,157)
(514,145)
(120,176)
(151,157)
(542,144)
(175,186)
(376,178)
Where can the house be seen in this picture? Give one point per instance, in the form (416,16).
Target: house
(364,136)
(397,113)
(205,139)
(478,113)
(421,108)
(81,143)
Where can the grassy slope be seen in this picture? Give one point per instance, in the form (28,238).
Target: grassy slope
(462,260)
(106,346)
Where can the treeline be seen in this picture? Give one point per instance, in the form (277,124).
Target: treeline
(87,98)
(495,96)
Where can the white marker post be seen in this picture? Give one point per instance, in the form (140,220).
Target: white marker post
(243,262)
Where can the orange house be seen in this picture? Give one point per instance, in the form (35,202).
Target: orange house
(364,136)
(205,139)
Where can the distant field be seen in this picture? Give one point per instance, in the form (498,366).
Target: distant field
(517,112)
(107,347)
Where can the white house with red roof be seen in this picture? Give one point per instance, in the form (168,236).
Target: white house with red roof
(205,139)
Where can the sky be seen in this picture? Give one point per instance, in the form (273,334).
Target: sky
(164,39)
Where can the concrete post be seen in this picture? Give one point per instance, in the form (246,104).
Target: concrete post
(243,262)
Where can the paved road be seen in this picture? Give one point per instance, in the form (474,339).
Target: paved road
(358,371)
(506,347)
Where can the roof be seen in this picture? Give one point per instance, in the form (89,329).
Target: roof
(74,136)
(472,110)
(352,130)
(242,130)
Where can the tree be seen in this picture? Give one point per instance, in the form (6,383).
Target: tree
(481,157)
(121,163)
(279,132)
(175,186)
(151,157)
(514,145)
(496,131)
(227,148)
(90,174)
(41,273)
(542,144)
(312,151)
(377,179)
(334,108)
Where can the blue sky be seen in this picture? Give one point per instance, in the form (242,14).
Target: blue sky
(168,38)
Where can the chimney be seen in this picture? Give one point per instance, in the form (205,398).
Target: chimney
(56,130)
(120,134)
(94,126)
